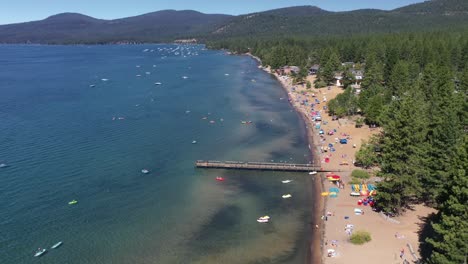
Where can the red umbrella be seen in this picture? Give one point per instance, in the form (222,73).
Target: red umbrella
(333,176)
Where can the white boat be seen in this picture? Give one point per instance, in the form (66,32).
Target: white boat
(104,79)
(286,181)
(40,252)
(184,77)
(58,244)
(286,196)
(145,171)
(263,219)
(92,85)
(194,142)
(312,172)
(3,165)
(157,83)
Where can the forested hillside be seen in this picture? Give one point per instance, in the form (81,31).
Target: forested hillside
(72,28)
(300,21)
(308,20)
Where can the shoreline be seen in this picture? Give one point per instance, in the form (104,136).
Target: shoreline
(318,204)
(332,215)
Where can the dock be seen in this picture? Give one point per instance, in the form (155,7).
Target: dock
(269,166)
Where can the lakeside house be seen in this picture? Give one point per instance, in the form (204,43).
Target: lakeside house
(288,70)
(314,69)
(357,74)
(338,79)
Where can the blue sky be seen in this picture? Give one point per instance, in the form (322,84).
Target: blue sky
(26,10)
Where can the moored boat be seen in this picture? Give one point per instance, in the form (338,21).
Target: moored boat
(56,245)
(40,252)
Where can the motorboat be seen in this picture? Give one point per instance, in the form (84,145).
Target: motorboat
(157,83)
(194,142)
(184,77)
(3,165)
(145,171)
(104,79)
(286,181)
(72,202)
(286,196)
(40,252)
(312,172)
(263,219)
(220,179)
(56,245)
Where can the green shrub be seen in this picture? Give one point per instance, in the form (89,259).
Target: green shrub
(359,122)
(320,84)
(354,181)
(360,174)
(360,237)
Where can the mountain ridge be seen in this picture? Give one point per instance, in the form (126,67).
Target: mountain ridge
(168,25)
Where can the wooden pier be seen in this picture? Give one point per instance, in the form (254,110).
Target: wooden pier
(271,166)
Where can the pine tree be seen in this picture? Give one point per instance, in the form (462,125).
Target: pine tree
(445,127)
(451,227)
(399,81)
(404,150)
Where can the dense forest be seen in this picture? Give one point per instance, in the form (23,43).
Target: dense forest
(415,88)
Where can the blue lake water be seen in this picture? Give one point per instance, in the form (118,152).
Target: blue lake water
(66,134)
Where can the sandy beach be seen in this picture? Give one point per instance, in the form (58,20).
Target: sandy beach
(393,239)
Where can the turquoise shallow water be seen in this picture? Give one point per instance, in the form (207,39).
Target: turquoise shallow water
(61,142)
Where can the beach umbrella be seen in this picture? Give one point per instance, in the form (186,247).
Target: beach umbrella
(333,176)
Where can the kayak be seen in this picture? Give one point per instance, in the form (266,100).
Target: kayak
(57,245)
(73,202)
(40,252)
